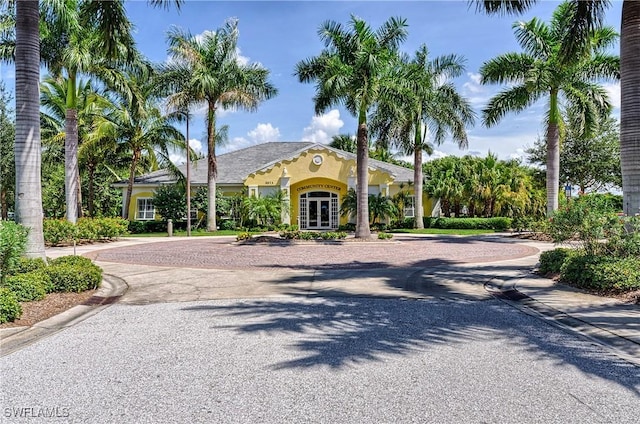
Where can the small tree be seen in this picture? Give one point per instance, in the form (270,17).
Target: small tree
(13,243)
(380,207)
(170,202)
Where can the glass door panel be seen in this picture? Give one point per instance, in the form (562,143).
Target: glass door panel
(313,213)
(324,213)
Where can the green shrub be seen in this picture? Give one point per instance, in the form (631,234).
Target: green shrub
(13,242)
(498,223)
(551,261)
(113,227)
(290,235)
(308,235)
(384,236)
(87,229)
(603,273)
(587,221)
(523,223)
(333,235)
(623,240)
(25,265)
(10,309)
(228,224)
(31,286)
(347,227)
(58,231)
(136,227)
(243,236)
(618,274)
(74,274)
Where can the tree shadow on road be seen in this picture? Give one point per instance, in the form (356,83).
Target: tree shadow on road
(336,328)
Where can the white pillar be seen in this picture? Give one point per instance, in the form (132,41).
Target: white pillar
(285,186)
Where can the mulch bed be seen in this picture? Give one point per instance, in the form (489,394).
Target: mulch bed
(53,304)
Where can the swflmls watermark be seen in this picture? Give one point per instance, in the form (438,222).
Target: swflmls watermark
(36,412)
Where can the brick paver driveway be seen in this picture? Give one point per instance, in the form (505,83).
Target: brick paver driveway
(219,268)
(403,251)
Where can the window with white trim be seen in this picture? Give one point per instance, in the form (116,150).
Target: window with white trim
(145,211)
(409,207)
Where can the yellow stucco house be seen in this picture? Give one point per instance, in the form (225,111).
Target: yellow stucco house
(313,177)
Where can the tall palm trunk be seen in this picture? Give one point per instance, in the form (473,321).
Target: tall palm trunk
(132,175)
(27,151)
(630,106)
(553,155)
(71,177)
(362,182)
(212,169)
(417,180)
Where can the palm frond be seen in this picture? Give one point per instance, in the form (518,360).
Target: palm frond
(534,37)
(514,99)
(506,68)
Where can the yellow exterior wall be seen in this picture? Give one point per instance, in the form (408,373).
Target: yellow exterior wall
(139,194)
(315,184)
(304,175)
(302,168)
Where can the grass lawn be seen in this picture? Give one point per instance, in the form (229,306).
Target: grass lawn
(442,231)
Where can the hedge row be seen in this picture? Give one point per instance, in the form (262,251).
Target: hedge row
(60,231)
(312,235)
(32,279)
(498,223)
(601,273)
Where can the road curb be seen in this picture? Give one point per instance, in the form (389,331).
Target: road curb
(505,290)
(111,289)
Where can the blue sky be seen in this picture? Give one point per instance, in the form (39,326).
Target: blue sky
(279,34)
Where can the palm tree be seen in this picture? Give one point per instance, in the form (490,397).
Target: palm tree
(140,127)
(91,102)
(7,162)
(589,13)
(380,206)
(433,107)
(206,70)
(100,42)
(630,106)
(352,71)
(81,37)
(28,188)
(544,71)
(344,142)
(26,53)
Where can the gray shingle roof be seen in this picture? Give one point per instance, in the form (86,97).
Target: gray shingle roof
(234,167)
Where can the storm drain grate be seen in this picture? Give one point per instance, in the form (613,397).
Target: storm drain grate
(512,294)
(101,300)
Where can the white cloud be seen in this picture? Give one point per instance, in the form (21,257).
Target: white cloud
(242,60)
(473,85)
(323,127)
(206,33)
(477,94)
(518,154)
(613,90)
(176,158)
(180,158)
(260,134)
(263,133)
(195,144)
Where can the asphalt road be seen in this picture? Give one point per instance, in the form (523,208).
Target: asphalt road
(331,360)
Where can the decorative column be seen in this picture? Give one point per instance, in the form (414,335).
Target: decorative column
(351,180)
(285,183)
(384,191)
